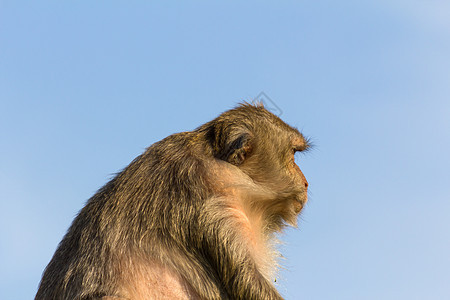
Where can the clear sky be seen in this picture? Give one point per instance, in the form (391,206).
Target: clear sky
(86,86)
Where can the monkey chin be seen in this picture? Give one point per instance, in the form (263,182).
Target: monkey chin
(290,216)
(298,206)
(300,202)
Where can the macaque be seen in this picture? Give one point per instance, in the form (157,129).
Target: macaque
(194,217)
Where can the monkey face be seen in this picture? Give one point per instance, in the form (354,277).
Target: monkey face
(262,147)
(289,182)
(268,158)
(299,144)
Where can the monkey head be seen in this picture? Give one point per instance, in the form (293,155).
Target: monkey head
(262,147)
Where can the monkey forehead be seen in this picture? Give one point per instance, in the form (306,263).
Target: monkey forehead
(257,112)
(295,138)
(257,120)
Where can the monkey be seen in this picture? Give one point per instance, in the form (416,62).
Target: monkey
(194,217)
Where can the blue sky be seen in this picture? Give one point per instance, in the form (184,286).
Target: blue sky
(86,86)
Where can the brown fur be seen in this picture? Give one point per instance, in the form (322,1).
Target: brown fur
(191,218)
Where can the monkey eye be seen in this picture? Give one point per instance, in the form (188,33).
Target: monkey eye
(301,147)
(297,149)
(300,144)
(294,151)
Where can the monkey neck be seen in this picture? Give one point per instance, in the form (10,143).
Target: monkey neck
(254,233)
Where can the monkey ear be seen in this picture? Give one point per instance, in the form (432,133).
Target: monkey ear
(238,150)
